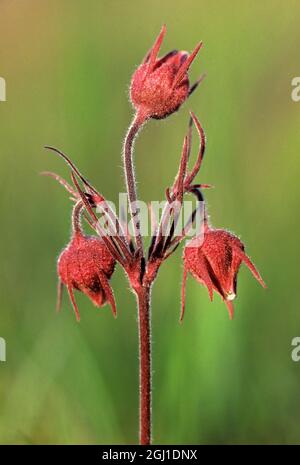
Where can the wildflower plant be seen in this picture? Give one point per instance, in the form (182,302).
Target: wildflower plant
(159,87)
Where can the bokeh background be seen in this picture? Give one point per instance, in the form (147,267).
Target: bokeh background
(67,66)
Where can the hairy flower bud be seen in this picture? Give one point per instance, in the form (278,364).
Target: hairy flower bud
(86,265)
(215,263)
(160,86)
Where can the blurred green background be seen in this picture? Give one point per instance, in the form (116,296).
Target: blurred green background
(68,66)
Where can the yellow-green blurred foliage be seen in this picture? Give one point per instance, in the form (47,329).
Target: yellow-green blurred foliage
(67,66)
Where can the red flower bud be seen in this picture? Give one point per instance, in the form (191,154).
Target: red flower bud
(215,264)
(160,86)
(86,265)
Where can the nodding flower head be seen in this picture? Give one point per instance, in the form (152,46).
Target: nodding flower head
(160,86)
(215,263)
(86,265)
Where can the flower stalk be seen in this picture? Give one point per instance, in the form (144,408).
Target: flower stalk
(129,171)
(145,363)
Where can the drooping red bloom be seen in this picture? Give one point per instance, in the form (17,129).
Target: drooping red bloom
(86,265)
(215,262)
(160,86)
